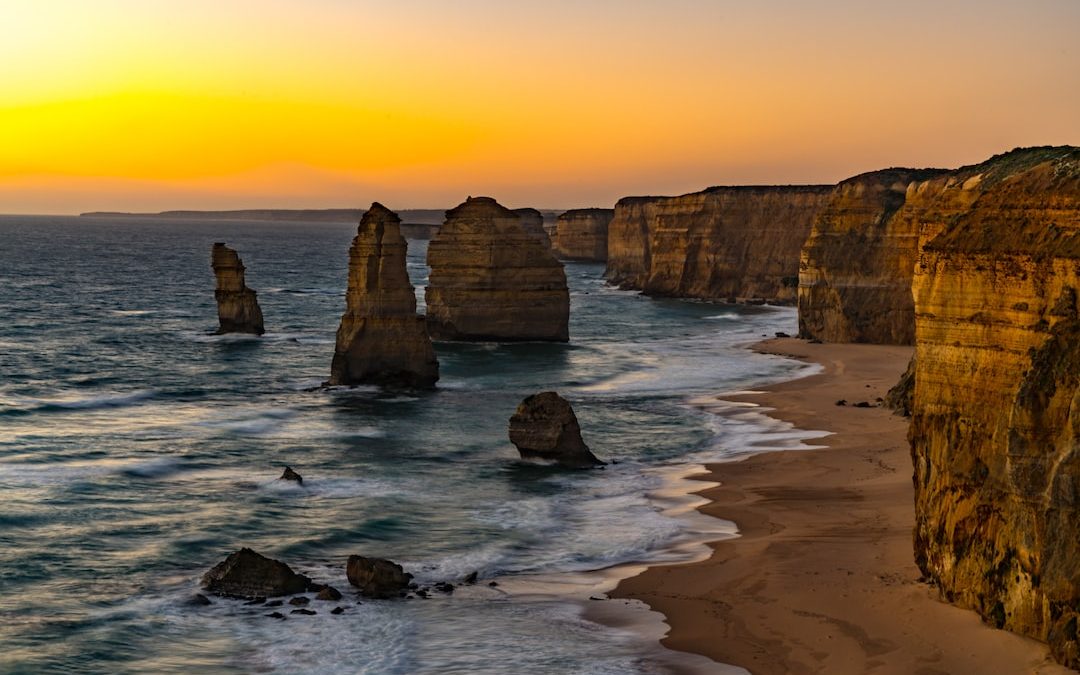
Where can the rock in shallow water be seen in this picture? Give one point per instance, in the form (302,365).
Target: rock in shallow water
(247,574)
(289,474)
(376,577)
(546,427)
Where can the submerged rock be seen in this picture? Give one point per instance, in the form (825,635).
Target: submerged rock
(381,339)
(289,474)
(238,310)
(546,427)
(247,574)
(377,577)
(492,280)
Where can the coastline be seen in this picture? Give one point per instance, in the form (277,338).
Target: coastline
(821,578)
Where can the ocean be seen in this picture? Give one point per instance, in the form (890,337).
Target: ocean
(137,450)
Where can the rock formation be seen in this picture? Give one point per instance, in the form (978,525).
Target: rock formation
(491,280)
(857,264)
(545,427)
(995,429)
(582,234)
(532,221)
(725,243)
(238,310)
(381,340)
(289,475)
(246,574)
(376,577)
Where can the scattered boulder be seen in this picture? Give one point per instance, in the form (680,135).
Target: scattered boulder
(247,574)
(275,603)
(863,404)
(276,615)
(377,577)
(238,308)
(782,334)
(381,340)
(289,474)
(329,593)
(198,600)
(338,610)
(299,601)
(305,612)
(545,426)
(842,401)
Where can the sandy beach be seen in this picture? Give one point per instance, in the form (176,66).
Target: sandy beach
(822,579)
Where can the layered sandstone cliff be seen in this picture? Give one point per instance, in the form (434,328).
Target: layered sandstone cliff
(582,234)
(381,340)
(238,308)
(728,243)
(492,280)
(995,428)
(856,266)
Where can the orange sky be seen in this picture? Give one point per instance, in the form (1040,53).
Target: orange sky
(139,105)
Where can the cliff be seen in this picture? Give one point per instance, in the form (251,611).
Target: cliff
(381,340)
(491,280)
(238,309)
(856,266)
(996,408)
(729,243)
(582,234)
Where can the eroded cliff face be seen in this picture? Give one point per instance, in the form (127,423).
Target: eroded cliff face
(532,221)
(996,409)
(381,340)
(856,267)
(492,280)
(726,243)
(582,234)
(238,308)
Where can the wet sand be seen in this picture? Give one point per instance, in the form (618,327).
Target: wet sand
(822,578)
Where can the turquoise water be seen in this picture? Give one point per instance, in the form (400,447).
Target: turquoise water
(137,450)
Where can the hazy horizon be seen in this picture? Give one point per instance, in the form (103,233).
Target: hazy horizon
(128,106)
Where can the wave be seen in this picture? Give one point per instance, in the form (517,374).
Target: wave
(30,405)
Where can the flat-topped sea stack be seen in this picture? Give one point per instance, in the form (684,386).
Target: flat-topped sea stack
(532,221)
(857,264)
(582,234)
(381,340)
(995,428)
(493,281)
(725,243)
(238,308)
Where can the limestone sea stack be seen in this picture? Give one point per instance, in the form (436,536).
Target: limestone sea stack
(238,310)
(492,280)
(381,340)
(582,234)
(545,427)
(737,243)
(532,221)
(995,427)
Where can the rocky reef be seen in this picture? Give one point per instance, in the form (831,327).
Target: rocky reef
(247,574)
(857,264)
(381,340)
(544,426)
(995,429)
(238,309)
(724,243)
(492,280)
(582,234)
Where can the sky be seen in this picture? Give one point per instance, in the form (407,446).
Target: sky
(147,105)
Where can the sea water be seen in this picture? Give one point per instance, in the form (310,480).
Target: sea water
(137,450)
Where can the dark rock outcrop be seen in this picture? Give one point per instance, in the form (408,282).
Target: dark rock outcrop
(377,577)
(545,427)
(491,280)
(247,574)
(995,427)
(725,243)
(381,340)
(289,474)
(238,309)
(857,264)
(582,234)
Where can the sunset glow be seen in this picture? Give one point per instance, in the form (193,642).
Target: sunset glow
(145,106)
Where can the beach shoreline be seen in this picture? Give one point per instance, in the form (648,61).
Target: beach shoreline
(822,578)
